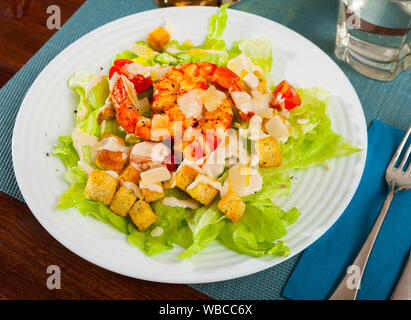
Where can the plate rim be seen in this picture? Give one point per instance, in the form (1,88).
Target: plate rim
(43,221)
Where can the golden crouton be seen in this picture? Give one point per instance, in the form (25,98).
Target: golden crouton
(185,176)
(100,187)
(269,152)
(203,192)
(130,174)
(151,196)
(232,205)
(142,215)
(158,38)
(111,160)
(123,200)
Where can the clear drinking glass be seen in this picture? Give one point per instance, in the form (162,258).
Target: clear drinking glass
(373,36)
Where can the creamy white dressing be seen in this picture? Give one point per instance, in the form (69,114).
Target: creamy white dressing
(112,173)
(134,188)
(205,180)
(151,187)
(149,151)
(157,232)
(109,144)
(190,103)
(189,163)
(94,81)
(85,166)
(82,139)
(244,180)
(303,121)
(174,202)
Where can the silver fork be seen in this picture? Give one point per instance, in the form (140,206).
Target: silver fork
(397,180)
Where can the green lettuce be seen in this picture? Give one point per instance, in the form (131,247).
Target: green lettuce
(66,152)
(256,233)
(173,222)
(313,142)
(89,107)
(205,224)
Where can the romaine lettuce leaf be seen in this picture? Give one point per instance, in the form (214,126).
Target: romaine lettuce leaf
(205,224)
(276,183)
(66,152)
(314,142)
(262,224)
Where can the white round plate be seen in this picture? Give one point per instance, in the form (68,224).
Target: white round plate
(47,112)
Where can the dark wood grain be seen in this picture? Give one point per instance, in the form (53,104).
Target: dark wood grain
(26,249)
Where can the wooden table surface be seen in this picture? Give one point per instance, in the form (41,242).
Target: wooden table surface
(26,249)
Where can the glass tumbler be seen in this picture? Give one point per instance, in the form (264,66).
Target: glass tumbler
(373,36)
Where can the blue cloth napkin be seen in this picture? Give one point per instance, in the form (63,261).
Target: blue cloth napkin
(323,264)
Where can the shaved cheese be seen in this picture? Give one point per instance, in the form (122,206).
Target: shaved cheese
(155,187)
(264,113)
(244,180)
(143,105)
(212,98)
(251,80)
(174,202)
(158,72)
(276,128)
(263,101)
(190,103)
(136,68)
(155,175)
(134,188)
(242,101)
(240,63)
(149,151)
(142,50)
(205,180)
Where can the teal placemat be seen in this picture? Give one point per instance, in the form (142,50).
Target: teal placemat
(315,19)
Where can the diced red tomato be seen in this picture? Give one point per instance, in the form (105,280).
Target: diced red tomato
(140,82)
(285,91)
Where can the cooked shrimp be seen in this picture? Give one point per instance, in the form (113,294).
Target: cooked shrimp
(178,97)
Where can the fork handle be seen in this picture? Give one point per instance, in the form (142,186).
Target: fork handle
(343,291)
